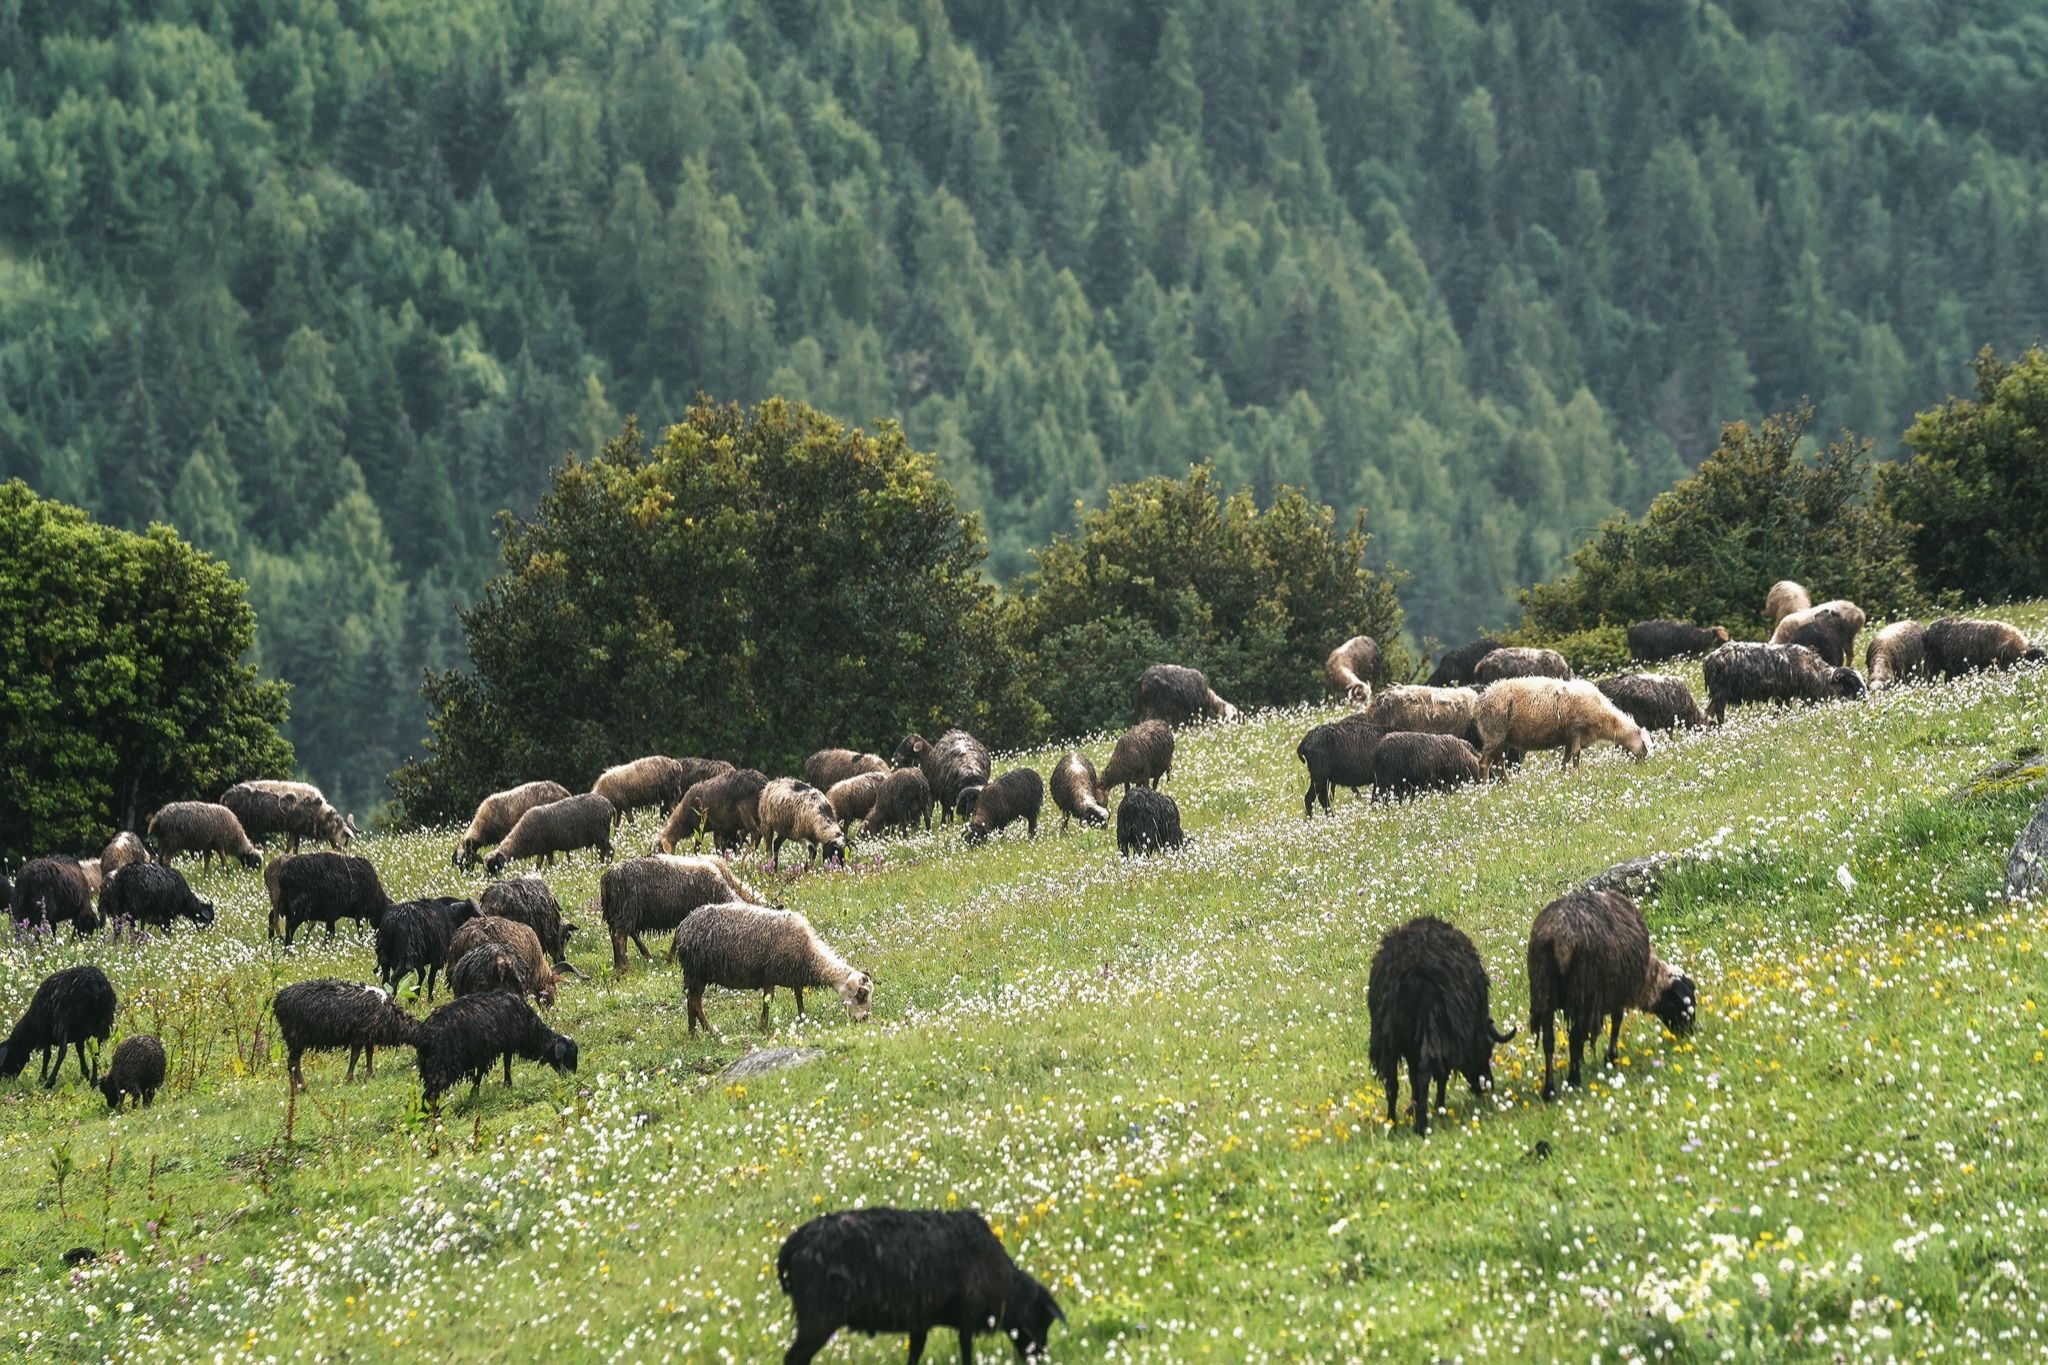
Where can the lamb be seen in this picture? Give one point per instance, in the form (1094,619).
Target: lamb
(1515,662)
(1351,668)
(528,901)
(904,802)
(1547,713)
(1741,672)
(1177,695)
(203,828)
(852,798)
(413,939)
(153,894)
(1427,710)
(1016,795)
(749,947)
(466,1036)
(1428,999)
(559,827)
(125,848)
(1143,756)
(657,893)
(1784,598)
(1896,653)
(137,1069)
(1338,754)
(497,813)
(521,941)
(489,967)
(953,761)
(326,1015)
(890,1270)
(827,768)
(294,809)
(1652,642)
(1077,791)
(325,888)
(1956,646)
(1589,955)
(1655,701)
(1455,668)
(726,806)
(656,780)
(1840,619)
(789,809)
(52,890)
(1408,764)
(69,1008)
(1147,821)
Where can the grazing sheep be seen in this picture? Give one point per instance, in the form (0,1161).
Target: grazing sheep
(137,1069)
(489,967)
(789,809)
(152,894)
(297,810)
(1589,955)
(655,894)
(1549,713)
(1655,701)
(326,1015)
(1956,646)
(726,806)
(1784,598)
(497,813)
(1177,695)
(326,888)
(879,1270)
(656,780)
(1428,999)
(125,848)
(1652,642)
(1143,756)
(853,797)
(1454,669)
(203,828)
(69,1008)
(1351,668)
(465,1037)
(559,827)
(413,938)
(827,768)
(749,947)
(904,802)
(953,761)
(522,941)
(52,890)
(1515,662)
(1896,653)
(1839,620)
(528,901)
(1741,672)
(1408,764)
(1077,791)
(1338,753)
(1147,821)
(1427,710)
(1017,795)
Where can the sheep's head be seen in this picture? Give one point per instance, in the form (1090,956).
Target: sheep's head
(561,1053)
(86,923)
(496,863)
(251,860)
(109,1088)
(1847,683)
(1221,709)
(12,1060)
(976,833)
(1677,1005)
(1721,634)
(912,749)
(1636,742)
(200,912)
(1028,1315)
(833,850)
(857,991)
(1358,693)
(2034,656)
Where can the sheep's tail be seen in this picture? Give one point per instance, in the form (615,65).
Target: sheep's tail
(1300,752)
(1548,962)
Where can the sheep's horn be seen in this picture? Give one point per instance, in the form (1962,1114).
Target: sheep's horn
(571,969)
(1500,1037)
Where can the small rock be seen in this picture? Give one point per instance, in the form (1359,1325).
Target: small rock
(2026,871)
(762,1061)
(1637,877)
(2014,773)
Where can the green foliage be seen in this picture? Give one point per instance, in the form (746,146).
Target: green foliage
(1172,571)
(1707,550)
(1976,487)
(759,584)
(122,684)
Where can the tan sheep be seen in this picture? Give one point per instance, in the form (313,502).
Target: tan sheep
(827,768)
(1896,653)
(853,798)
(1841,619)
(1784,598)
(1349,670)
(1426,710)
(204,828)
(498,812)
(125,848)
(656,893)
(656,780)
(746,947)
(1550,713)
(792,809)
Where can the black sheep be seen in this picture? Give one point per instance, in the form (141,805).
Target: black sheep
(1146,821)
(1455,668)
(324,888)
(912,1271)
(465,1037)
(412,939)
(528,901)
(1407,764)
(137,1069)
(904,802)
(1428,998)
(1338,754)
(1589,955)
(1655,701)
(1652,642)
(52,890)
(152,894)
(1017,795)
(70,1007)
(1957,645)
(952,762)
(1745,672)
(1822,635)
(326,1015)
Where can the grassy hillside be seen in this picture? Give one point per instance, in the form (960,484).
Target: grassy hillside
(1152,1077)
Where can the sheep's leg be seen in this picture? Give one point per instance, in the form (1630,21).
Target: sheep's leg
(93,1077)
(1393,1079)
(916,1346)
(1571,754)
(508,1068)
(353,1053)
(1614,1038)
(433,970)
(1442,1076)
(298,1078)
(1031,827)
(1549,1055)
(766,995)
(1308,802)
(810,1339)
(966,1347)
(1418,1091)
(1578,1045)
(696,1012)
(369,1061)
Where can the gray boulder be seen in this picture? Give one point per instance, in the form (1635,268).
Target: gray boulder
(763,1061)
(2026,871)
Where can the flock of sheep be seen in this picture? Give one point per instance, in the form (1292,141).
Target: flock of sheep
(875,1270)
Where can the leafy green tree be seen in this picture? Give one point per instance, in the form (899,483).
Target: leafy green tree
(122,684)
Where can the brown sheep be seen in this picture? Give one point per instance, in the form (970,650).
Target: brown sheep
(1655,701)
(1143,757)
(789,809)
(1177,694)
(1589,955)
(656,780)
(1351,667)
(654,894)
(203,828)
(727,807)
(1078,792)
(1515,661)
(498,812)
(827,768)
(1896,653)
(1956,646)
(563,826)
(1784,598)
(1550,713)
(904,802)
(1840,619)
(521,940)
(1427,711)
(854,797)
(124,849)
(951,763)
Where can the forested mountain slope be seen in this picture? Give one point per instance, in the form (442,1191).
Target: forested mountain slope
(327,284)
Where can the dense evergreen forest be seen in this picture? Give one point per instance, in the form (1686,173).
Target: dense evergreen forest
(326,283)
